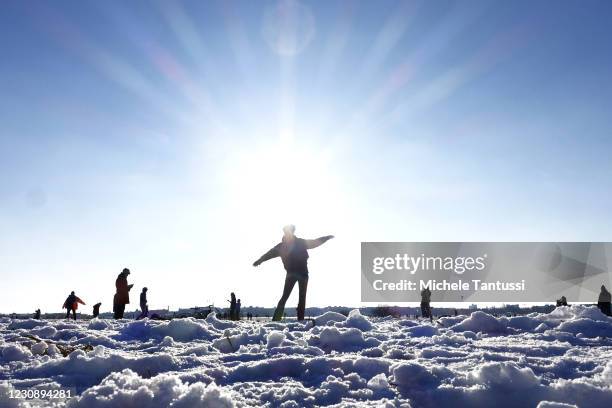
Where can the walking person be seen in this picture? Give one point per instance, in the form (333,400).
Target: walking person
(144,307)
(71,304)
(425,304)
(603,302)
(238,304)
(293,251)
(122,297)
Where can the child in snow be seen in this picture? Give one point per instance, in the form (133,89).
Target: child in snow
(144,307)
(96,309)
(603,302)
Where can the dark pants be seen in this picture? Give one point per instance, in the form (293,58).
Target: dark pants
(119,309)
(68,310)
(144,312)
(290,280)
(425,310)
(605,308)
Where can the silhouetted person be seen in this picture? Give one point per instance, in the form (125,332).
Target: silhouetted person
(293,251)
(603,302)
(144,307)
(232,311)
(96,309)
(37,314)
(562,301)
(122,297)
(238,304)
(71,304)
(425,303)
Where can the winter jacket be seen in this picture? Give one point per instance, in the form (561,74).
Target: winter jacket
(294,253)
(123,289)
(72,302)
(143,299)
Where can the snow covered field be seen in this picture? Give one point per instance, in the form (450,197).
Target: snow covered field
(464,361)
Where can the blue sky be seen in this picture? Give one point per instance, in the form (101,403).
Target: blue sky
(176,138)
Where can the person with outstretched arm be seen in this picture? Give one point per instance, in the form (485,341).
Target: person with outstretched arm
(293,251)
(71,304)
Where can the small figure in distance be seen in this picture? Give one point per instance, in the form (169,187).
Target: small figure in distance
(238,310)
(37,314)
(122,297)
(71,304)
(293,251)
(562,301)
(425,304)
(232,311)
(144,307)
(96,309)
(603,302)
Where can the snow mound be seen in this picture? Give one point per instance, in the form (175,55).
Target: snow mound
(351,339)
(87,369)
(481,322)
(358,321)
(98,324)
(15,352)
(213,321)
(413,375)
(587,328)
(504,375)
(183,330)
(329,317)
(25,324)
(127,389)
(39,348)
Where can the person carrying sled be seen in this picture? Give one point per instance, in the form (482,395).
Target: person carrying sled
(293,251)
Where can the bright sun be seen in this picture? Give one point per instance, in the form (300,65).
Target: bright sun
(284,182)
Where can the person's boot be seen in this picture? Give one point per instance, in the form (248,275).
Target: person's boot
(278,314)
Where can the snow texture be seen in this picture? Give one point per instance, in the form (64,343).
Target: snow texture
(561,359)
